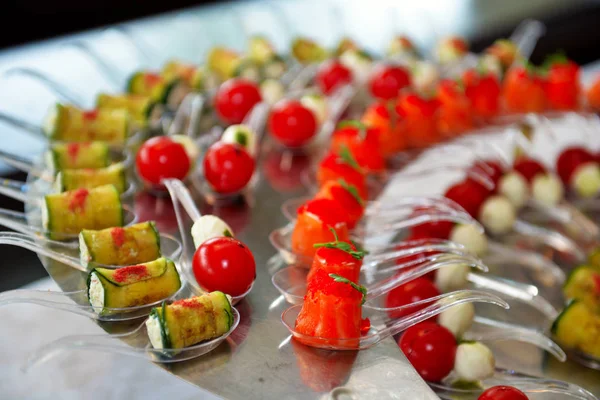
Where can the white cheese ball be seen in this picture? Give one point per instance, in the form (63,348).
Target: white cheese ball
(514,187)
(469,236)
(272,91)
(490,63)
(425,76)
(358,63)
(474,362)
(586,179)
(208,227)
(447,52)
(497,214)
(191,149)
(458,319)
(242,135)
(547,189)
(451,277)
(317,104)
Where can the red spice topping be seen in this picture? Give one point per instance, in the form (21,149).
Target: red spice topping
(90,115)
(596,279)
(73,150)
(322,282)
(118,236)
(151,79)
(326,210)
(77,199)
(365,326)
(131,273)
(188,303)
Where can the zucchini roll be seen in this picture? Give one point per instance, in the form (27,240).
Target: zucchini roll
(65,214)
(77,155)
(131,245)
(142,109)
(71,179)
(159,89)
(190,321)
(132,286)
(72,124)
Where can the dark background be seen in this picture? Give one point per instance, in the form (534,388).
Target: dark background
(574,30)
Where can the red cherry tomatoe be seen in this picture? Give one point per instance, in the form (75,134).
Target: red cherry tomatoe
(483,90)
(292,124)
(490,168)
(362,142)
(387,81)
(224,264)
(331,75)
(529,168)
(161,157)
(469,195)
(563,89)
(503,393)
(228,167)
(569,160)
(235,98)
(411,292)
(430,348)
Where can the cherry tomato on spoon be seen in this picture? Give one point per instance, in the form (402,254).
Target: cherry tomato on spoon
(469,195)
(362,142)
(419,115)
(387,81)
(224,264)
(235,98)
(411,292)
(455,114)
(523,91)
(490,168)
(228,167)
(331,75)
(391,135)
(161,157)
(483,90)
(292,124)
(503,393)
(569,160)
(529,168)
(562,85)
(430,348)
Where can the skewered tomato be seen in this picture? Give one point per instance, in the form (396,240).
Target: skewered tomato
(292,124)
(419,115)
(503,393)
(593,95)
(529,168)
(391,137)
(411,292)
(431,350)
(342,166)
(571,159)
(224,264)
(347,197)
(235,98)
(160,158)
(228,167)
(523,91)
(483,91)
(362,142)
(455,109)
(469,195)
(387,81)
(562,85)
(332,75)
(490,168)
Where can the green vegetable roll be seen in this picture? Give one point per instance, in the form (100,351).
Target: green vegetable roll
(132,286)
(141,108)
(187,322)
(78,155)
(131,245)
(71,179)
(66,214)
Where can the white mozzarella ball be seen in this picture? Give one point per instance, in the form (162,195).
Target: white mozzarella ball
(208,227)
(191,148)
(242,135)
(272,91)
(358,63)
(490,63)
(474,362)
(458,319)
(425,76)
(497,214)
(469,236)
(547,189)
(317,104)
(451,277)
(514,187)
(447,51)
(586,180)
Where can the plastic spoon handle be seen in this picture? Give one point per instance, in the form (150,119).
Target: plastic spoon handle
(142,47)
(337,104)
(441,303)
(31,244)
(61,91)
(423,218)
(482,178)
(532,384)
(441,203)
(33,129)
(56,300)
(526,35)
(107,70)
(180,118)
(16,221)
(178,191)
(549,237)
(17,162)
(257,118)
(14,189)
(503,331)
(409,249)
(513,291)
(386,285)
(197,108)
